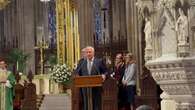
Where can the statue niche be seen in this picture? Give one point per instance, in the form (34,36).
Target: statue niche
(182,30)
(148,39)
(173,28)
(147,30)
(166,32)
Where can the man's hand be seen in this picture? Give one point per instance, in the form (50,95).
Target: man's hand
(103,77)
(7,84)
(124,82)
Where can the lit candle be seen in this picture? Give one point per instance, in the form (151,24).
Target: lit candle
(44,41)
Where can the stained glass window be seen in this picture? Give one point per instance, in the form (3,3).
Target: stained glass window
(97,20)
(52,23)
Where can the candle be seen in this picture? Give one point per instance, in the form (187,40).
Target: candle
(17,65)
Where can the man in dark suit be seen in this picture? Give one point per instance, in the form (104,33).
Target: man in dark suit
(91,66)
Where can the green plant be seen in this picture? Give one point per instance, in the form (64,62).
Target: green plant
(18,58)
(52,59)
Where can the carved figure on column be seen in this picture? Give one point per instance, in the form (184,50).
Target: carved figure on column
(148,39)
(148,33)
(182,28)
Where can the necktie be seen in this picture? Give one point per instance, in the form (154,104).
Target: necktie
(89,67)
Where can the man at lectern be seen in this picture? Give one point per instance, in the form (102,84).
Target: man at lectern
(91,97)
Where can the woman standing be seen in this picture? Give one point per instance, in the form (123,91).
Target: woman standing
(129,81)
(119,69)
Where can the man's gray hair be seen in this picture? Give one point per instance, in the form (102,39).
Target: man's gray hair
(144,107)
(90,47)
(83,50)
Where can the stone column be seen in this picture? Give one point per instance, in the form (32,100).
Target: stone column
(167,103)
(29,33)
(176,79)
(46,85)
(192,28)
(116,21)
(119,20)
(134,36)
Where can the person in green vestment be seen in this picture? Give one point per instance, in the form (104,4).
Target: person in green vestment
(9,86)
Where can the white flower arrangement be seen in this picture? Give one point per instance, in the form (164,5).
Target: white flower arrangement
(61,73)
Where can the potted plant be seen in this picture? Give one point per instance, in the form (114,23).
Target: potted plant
(61,74)
(18,58)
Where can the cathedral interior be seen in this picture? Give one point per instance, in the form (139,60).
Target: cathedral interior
(37,34)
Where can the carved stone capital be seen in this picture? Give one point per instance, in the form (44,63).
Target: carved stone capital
(185,106)
(177,79)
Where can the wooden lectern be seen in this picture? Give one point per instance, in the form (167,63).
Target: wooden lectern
(109,91)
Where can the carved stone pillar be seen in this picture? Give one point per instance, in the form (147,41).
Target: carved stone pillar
(174,68)
(133,36)
(177,79)
(193,40)
(29,32)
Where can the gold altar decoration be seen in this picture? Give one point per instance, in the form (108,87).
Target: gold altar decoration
(3,3)
(68,42)
(42,45)
(60,31)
